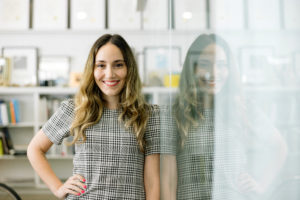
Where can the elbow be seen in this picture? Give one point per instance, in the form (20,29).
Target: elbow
(33,151)
(30,151)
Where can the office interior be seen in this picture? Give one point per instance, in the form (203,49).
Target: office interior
(48,43)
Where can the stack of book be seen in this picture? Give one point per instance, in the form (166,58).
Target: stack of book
(9,112)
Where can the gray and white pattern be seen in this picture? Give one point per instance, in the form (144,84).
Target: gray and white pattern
(209,160)
(109,159)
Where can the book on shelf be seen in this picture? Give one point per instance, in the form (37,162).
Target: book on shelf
(16,109)
(43,110)
(1,147)
(3,113)
(4,148)
(6,142)
(9,112)
(47,107)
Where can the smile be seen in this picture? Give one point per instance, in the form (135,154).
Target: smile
(111,83)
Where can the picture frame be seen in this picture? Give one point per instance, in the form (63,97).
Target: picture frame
(87,14)
(14,14)
(254,64)
(124,15)
(160,61)
(227,15)
(24,65)
(5,71)
(259,19)
(291,14)
(156,17)
(50,15)
(190,14)
(296,65)
(54,70)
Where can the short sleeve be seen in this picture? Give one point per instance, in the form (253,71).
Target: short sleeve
(58,126)
(168,135)
(152,133)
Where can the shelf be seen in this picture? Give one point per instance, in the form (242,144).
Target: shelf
(147,32)
(19,125)
(59,157)
(19,182)
(12,157)
(68,90)
(56,90)
(271,89)
(148,90)
(16,90)
(39,90)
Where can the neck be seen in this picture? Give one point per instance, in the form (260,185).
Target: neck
(208,101)
(112,103)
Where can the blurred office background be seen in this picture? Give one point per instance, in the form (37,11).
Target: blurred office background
(44,45)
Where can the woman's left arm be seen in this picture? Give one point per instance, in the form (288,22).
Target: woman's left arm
(152,177)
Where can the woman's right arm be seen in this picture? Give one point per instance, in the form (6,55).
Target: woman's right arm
(36,151)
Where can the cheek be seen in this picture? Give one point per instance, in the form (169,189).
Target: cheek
(97,74)
(225,74)
(123,74)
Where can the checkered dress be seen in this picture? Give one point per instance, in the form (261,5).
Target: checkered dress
(209,161)
(110,159)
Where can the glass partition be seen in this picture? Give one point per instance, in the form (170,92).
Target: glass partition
(230,129)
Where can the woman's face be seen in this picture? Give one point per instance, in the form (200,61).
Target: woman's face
(211,69)
(110,71)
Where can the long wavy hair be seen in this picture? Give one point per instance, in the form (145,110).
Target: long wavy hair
(188,105)
(89,102)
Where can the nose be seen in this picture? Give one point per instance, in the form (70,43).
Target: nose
(109,72)
(215,70)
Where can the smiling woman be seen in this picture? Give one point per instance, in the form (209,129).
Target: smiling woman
(110,73)
(115,132)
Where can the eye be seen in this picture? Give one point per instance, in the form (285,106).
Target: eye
(100,65)
(204,64)
(119,65)
(222,65)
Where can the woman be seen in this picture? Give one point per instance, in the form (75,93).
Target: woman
(214,126)
(115,132)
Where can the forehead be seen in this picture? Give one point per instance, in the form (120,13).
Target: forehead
(108,52)
(213,51)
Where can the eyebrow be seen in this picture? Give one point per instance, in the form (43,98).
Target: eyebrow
(115,61)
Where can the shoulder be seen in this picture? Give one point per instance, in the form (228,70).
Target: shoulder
(68,105)
(154,109)
(163,113)
(68,102)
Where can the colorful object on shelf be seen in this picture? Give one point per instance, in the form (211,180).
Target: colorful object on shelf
(171,80)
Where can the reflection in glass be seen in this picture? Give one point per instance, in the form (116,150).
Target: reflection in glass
(221,145)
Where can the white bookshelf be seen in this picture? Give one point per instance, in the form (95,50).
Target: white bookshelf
(23,131)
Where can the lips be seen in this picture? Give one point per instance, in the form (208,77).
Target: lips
(111,83)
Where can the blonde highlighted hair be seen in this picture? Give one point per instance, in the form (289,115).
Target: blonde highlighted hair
(89,103)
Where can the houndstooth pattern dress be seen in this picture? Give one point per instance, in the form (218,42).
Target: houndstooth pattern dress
(110,159)
(209,161)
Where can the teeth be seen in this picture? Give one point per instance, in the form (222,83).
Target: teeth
(110,82)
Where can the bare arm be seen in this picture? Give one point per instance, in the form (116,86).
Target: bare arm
(36,151)
(271,170)
(151,177)
(279,152)
(168,177)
